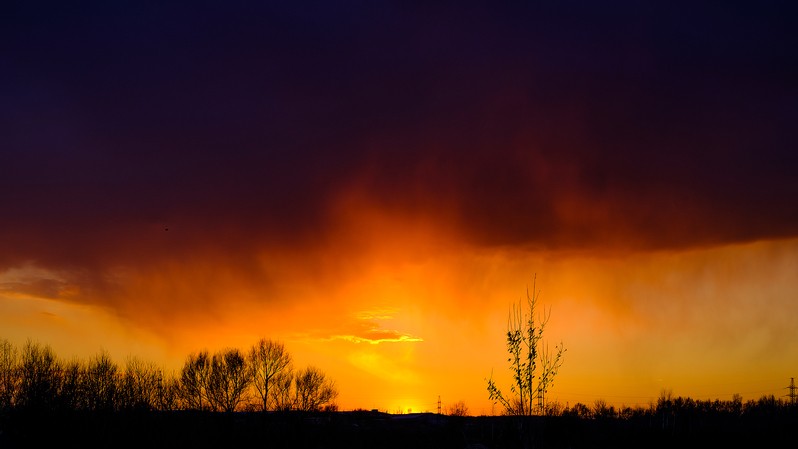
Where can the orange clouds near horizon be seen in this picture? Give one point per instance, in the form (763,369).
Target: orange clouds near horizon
(395,330)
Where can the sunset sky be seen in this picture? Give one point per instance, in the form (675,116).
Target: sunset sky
(374,183)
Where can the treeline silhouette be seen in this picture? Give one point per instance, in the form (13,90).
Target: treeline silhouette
(669,409)
(670,421)
(34,378)
(46,401)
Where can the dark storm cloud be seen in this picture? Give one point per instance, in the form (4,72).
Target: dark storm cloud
(237,124)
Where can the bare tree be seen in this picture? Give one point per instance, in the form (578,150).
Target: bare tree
(229,380)
(194,380)
(9,366)
(602,410)
(280,393)
(71,394)
(140,383)
(459,408)
(101,387)
(167,393)
(39,379)
(35,379)
(313,390)
(527,351)
(269,360)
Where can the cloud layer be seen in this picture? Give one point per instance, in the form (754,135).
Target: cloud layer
(169,162)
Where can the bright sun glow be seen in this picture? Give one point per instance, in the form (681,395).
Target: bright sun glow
(397,336)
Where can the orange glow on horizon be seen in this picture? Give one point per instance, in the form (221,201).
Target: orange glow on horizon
(397,329)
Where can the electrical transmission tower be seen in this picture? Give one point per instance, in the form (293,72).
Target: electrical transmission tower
(792,395)
(541,400)
(439,404)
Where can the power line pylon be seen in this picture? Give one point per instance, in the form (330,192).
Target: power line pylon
(792,395)
(439,404)
(541,400)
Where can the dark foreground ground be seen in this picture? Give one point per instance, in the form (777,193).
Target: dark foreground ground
(378,430)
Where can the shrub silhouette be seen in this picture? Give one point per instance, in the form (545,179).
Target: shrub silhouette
(459,408)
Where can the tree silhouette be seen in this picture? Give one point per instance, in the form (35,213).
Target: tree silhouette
(33,378)
(8,374)
(269,361)
(602,410)
(527,351)
(167,393)
(194,381)
(101,383)
(39,379)
(139,385)
(459,408)
(228,381)
(579,410)
(72,395)
(281,392)
(313,390)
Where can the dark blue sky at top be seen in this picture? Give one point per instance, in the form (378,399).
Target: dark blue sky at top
(234,119)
